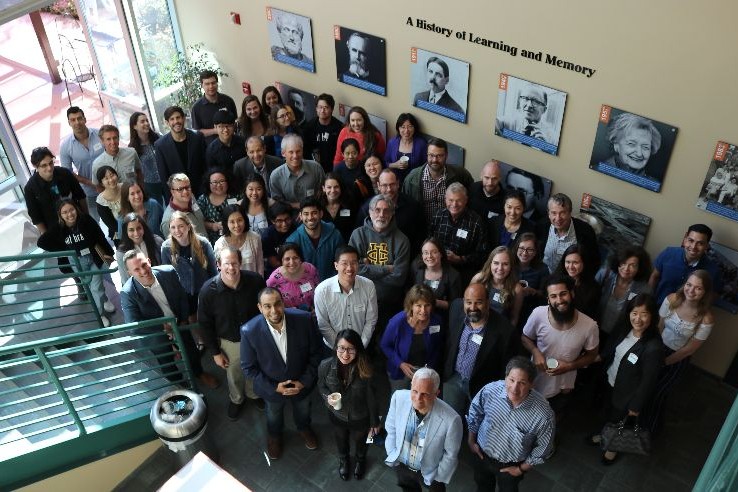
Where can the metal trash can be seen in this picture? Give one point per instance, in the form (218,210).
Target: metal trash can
(180,419)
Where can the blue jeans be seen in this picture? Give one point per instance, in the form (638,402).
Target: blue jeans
(97,287)
(275,415)
(456,394)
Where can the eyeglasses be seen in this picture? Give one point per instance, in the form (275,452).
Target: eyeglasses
(528,251)
(283,116)
(281,221)
(436,156)
(341,349)
(222,181)
(531,100)
(181,189)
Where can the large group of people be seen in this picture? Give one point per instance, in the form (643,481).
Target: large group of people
(317,255)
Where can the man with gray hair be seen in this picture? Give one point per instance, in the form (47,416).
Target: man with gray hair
(297,178)
(182,200)
(461,232)
(511,428)
(384,254)
(423,435)
(562,230)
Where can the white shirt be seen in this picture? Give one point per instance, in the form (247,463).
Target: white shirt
(620,351)
(280,338)
(161,299)
(337,310)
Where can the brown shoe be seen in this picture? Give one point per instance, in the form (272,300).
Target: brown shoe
(208,380)
(274,447)
(311,440)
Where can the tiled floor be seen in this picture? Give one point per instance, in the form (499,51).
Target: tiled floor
(696,413)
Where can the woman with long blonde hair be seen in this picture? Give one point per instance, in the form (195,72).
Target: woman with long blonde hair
(501,279)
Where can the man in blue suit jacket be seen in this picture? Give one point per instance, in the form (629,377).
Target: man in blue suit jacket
(280,351)
(190,161)
(156,292)
(423,434)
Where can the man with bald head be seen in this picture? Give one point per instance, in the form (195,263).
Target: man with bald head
(480,342)
(487,196)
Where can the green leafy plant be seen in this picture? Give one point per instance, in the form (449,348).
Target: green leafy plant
(184,71)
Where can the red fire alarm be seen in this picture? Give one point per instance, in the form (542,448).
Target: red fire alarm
(236,18)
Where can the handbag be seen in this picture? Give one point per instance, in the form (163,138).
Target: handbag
(623,438)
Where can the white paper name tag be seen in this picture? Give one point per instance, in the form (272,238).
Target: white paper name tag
(344,212)
(462,233)
(477,339)
(310,192)
(631,295)
(632,358)
(434,329)
(85,252)
(97,146)
(231,201)
(496,297)
(433,284)
(491,214)
(305,287)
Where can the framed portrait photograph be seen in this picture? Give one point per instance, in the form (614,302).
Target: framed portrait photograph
(727,261)
(529,113)
(439,84)
(615,225)
(361,60)
(719,192)
(291,39)
(536,189)
(379,123)
(302,102)
(632,148)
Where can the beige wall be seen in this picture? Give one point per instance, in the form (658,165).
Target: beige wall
(670,61)
(104,474)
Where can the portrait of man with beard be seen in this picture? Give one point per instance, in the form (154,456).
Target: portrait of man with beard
(291,39)
(361,60)
(561,340)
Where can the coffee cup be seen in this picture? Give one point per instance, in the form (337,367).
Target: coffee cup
(334,399)
(524,283)
(552,363)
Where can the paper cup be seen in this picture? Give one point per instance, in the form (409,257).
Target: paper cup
(552,363)
(404,159)
(334,399)
(524,283)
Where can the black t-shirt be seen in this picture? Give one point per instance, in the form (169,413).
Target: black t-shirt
(182,152)
(321,141)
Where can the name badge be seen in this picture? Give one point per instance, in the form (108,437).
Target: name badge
(360,307)
(344,212)
(434,329)
(496,297)
(97,146)
(231,201)
(632,358)
(310,192)
(462,233)
(513,235)
(631,295)
(433,284)
(491,214)
(477,339)
(306,287)
(85,252)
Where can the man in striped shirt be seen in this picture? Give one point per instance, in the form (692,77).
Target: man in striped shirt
(511,428)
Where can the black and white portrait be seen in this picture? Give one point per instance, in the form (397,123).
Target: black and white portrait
(439,84)
(727,261)
(536,189)
(632,148)
(291,39)
(361,60)
(301,102)
(529,113)
(719,192)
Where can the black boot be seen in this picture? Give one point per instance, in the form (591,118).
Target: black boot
(343,468)
(360,468)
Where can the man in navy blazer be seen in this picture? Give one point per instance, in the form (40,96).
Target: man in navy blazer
(156,292)
(423,434)
(170,161)
(280,351)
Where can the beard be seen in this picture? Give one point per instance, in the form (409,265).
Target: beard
(475,316)
(562,316)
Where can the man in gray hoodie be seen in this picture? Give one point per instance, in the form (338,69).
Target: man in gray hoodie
(385,254)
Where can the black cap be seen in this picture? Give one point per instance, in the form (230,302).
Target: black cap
(223,116)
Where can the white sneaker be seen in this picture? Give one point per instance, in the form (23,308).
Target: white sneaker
(105,321)
(109,307)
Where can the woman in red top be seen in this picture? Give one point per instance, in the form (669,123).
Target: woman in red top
(359,127)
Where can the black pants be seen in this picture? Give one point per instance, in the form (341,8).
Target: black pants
(410,480)
(487,473)
(344,436)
